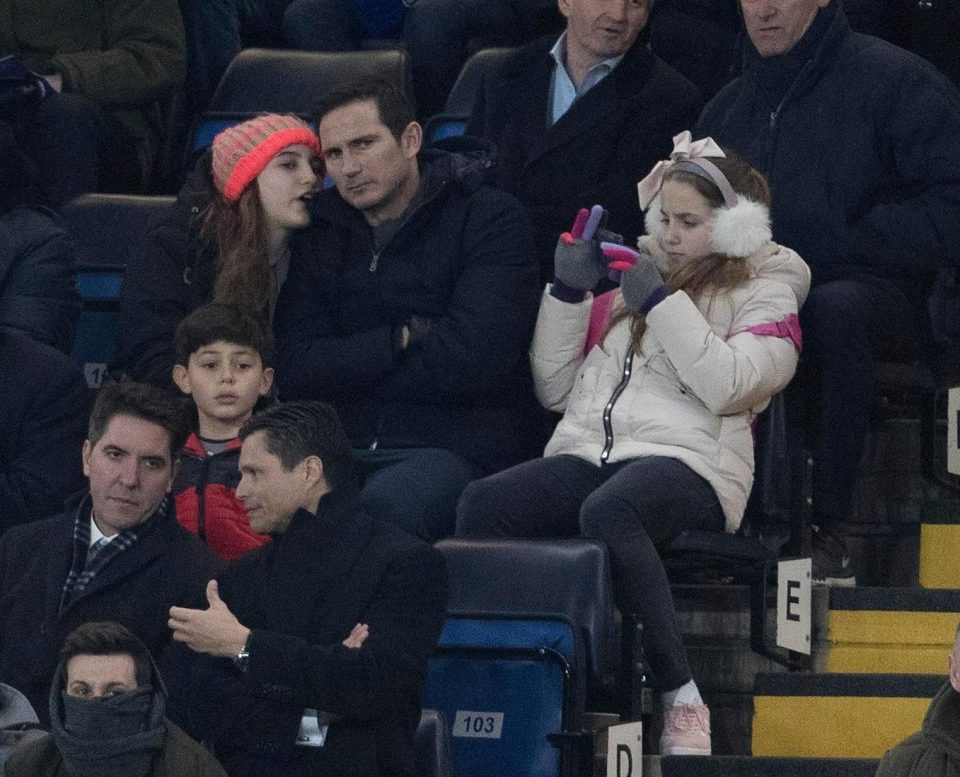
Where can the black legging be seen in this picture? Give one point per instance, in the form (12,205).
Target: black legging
(632,506)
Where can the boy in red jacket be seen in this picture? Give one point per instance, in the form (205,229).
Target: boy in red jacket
(222,356)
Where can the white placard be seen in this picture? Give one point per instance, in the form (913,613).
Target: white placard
(477,725)
(625,750)
(94,372)
(793,604)
(953,431)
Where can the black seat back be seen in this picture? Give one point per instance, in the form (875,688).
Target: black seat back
(570,578)
(279,81)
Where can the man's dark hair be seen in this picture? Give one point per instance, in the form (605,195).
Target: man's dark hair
(107,638)
(295,430)
(145,402)
(395,109)
(218,321)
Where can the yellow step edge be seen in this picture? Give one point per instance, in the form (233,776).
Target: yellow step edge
(887,659)
(833,726)
(895,627)
(939,548)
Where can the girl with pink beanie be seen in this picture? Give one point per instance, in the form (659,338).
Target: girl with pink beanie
(226,238)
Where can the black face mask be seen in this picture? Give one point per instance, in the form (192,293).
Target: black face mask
(114,737)
(115,717)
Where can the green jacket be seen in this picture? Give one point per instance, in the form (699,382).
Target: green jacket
(180,756)
(934,751)
(122,54)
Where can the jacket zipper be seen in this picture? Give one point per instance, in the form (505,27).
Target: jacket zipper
(608,408)
(375,255)
(202,498)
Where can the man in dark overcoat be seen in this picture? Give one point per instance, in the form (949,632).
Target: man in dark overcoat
(279,689)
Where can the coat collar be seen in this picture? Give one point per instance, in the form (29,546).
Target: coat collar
(531,74)
(942,720)
(825,56)
(313,558)
(194,446)
(150,546)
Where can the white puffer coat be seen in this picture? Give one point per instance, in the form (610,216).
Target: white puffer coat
(694,389)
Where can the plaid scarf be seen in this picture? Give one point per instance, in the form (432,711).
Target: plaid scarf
(82,573)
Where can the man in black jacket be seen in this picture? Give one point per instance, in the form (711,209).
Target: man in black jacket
(409,305)
(119,555)
(859,141)
(279,690)
(580,119)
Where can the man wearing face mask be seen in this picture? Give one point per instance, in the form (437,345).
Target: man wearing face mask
(107,718)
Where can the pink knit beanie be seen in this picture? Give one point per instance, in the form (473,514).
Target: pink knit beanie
(241,152)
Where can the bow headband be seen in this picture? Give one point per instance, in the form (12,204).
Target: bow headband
(692,156)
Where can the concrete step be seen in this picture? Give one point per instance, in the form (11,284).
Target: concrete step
(745,766)
(895,630)
(837,715)
(939,549)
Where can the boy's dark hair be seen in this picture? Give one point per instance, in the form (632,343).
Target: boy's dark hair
(145,402)
(217,321)
(295,430)
(395,109)
(107,638)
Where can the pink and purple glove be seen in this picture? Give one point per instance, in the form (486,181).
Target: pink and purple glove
(578,263)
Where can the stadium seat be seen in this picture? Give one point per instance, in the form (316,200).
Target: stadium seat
(108,229)
(432,746)
(531,630)
(279,81)
(459,105)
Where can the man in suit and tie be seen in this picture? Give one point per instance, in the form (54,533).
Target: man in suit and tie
(119,555)
(580,119)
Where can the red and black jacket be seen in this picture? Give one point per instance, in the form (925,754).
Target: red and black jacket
(205,493)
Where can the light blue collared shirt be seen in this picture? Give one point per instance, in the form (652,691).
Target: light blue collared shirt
(563,93)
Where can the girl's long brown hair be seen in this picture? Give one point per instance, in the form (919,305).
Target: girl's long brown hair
(236,229)
(715,273)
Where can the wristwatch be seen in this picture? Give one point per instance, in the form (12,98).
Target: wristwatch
(242,659)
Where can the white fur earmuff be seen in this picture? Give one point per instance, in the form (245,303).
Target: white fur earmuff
(738,231)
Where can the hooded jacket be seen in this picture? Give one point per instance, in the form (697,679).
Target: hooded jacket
(461,259)
(178,755)
(692,391)
(934,751)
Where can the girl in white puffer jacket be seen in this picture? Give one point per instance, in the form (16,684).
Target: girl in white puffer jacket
(656,436)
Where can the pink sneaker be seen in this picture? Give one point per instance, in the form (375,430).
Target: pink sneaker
(686,730)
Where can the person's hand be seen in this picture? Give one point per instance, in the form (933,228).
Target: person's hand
(214,631)
(357,636)
(413,331)
(55,80)
(641,284)
(577,261)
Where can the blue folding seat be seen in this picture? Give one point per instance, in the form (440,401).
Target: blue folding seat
(452,121)
(531,630)
(108,229)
